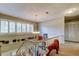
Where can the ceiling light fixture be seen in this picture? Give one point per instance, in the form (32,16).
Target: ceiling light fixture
(69,11)
(36,15)
(46,12)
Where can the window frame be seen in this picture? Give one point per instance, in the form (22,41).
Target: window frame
(17,28)
(5,30)
(14,27)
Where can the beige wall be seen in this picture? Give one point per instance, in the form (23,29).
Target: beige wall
(54,27)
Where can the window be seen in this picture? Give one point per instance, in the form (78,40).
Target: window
(31,27)
(11,26)
(28,27)
(23,27)
(18,27)
(4,26)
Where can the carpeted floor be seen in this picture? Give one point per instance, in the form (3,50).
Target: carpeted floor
(69,49)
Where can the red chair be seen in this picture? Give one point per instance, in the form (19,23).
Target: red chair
(53,45)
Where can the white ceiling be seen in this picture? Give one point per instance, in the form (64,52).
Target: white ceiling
(29,10)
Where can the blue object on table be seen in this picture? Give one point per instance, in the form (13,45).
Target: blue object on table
(45,36)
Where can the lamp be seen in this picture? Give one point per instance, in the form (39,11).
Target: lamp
(6,42)
(14,40)
(3,41)
(18,40)
(22,39)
